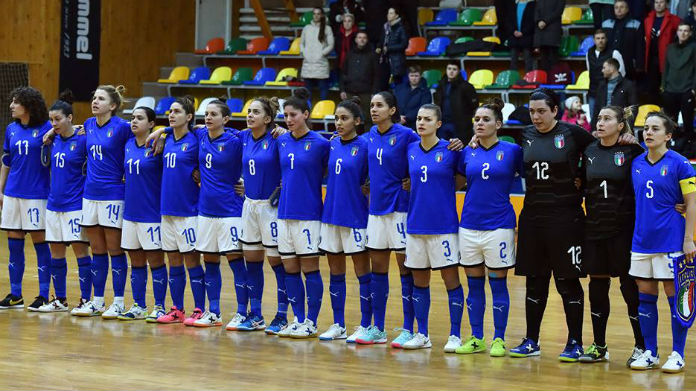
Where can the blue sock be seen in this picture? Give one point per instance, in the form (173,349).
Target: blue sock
(501,305)
(407,301)
(100,271)
(421,306)
(177,285)
(255,286)
(678,330)
(197,277)
(476,304)
(455,297)
(279,272)
(16,265)
(337,291)
(296,294)
(139,285)
(379,290)
(119,274)
(43,266)
(84,265)
(240,284)
(647,316)
(213,285)
(315,294)
(59,273)
(365,300)
(159,284)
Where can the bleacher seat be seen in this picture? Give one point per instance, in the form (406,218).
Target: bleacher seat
(158,127)
(571,15)
(415,45)
(468,17)
(508,108)
(294,48)
(569,44)
(587,17)
(481,78)
(146,101)
(436,47)
(582,83)
(322,109)
(504,80)
(278,45)
(535,77)
(242,75)
(262,76)
(489,18)
(464,39)
(280,79)
(219,75)
(178,73)
(643,111)
(558,85)
(244,111)
(432,77)
(235,45)
(235,104)
(198,74)
(213,46)
(254,46)
(305,19)
(485,54)
(200,111)
(444,17)
(584,47)
(509,139)
(164,104)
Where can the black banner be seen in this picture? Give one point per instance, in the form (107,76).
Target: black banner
(79,47)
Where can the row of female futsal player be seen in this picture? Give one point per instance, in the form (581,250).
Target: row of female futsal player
(166,210)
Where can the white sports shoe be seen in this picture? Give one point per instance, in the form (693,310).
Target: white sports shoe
(237,319)
(89,308)
(419,341)
(359,332)
(646,361)
(209,319)
(285,333)
(54,305)
(156,313)
(453,342)
(674,364)
(136,312)
(335,331)
(79,306)
(114,311)
(637,352)
(307,329)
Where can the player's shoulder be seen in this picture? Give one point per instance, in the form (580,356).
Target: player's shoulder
(508,146)
(676,158)
(120,123)
(90,122)
(640,159)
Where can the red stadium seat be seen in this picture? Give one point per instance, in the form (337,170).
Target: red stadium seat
(255,45)
(215,45)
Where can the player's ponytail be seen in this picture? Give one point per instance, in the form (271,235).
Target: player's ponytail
(622,115)
(64,103)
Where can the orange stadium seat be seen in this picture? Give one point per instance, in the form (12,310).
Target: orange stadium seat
(255,45)
(215,45)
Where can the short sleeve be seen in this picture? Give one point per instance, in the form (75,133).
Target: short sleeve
(125,131)
(685,170)
(461,163)
(45,128)
(413,136)
(519,160)
(326,148)
(6,144)
(636,150)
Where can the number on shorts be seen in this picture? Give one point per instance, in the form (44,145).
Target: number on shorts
(189,235)
(114,210)
(74,225)
(96,152)
(252,167)
(274,229)
(19,145)
(338,166)
(357,236)
(400,229)
(503,247)
(170,159)
(208,160)
(233,233)
(33,215)
(60,159)
(446,246)
(485,168)
(309,236)
(152,231)
(575,252)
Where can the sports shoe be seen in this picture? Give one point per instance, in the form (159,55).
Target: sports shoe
(195,315)
(497,348)
(113,311)
(404,337)
(527,348)
(472,345)
(38,302)
(453,343)
(335,331)
(307,329)
(55,305)
(277,324)
(174,315)
(595,354)
(646,361)
(12,302)
(572,352)
(136,312)
(156,313)
(252,323)
(285,332)
(207,319)
(419,341)
(89,308)
(358,333)
(237,319)
(372,336)
(674,364)
(79,306)
(637,352)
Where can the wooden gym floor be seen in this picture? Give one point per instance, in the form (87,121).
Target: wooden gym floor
(58,351)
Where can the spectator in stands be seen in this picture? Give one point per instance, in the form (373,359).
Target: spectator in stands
(691,18)
(626,35)
(679,79)
(660,30)
(574,114)
(547,36)
(316,43)
(595,61)
(614,90)
(680,8)
(522,37)
(410,95)
(638,9)
(458,100)
(345,38)
(391,50)
(409,13)
(505,12)
(359,74)
(375,17)
(601,11)
(338,9)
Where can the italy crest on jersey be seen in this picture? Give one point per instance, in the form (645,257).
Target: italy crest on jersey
(307,145)
(684,279)
(438,157)
(559,141)
(354,151)
(392,140)
(619,159)
(499,156)
(265,144)
(184,147)
(663,170)
(73,146)
(221,147)
(110,133)
(35,133)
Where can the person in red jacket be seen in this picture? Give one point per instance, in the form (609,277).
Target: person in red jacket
(660,31)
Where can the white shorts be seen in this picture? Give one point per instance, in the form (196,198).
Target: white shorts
(386,232)
(219,235)
(179,233)
(652,266)
(104,213)
(64,227)
(23,214)
(259,224)
(141,236)
(495,249)
(298,238)
(432,251)
(342,240)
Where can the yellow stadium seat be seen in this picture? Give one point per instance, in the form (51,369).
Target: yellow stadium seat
(294,48)
(485,54)
(489,18)
(643,112)
(285,72)
(425,15)
(158,127)
(178,73)
(219,75)
(245,109)
(583,82)
(322,109)
(481,78)
(571,15)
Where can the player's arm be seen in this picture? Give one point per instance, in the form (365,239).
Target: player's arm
(4,172)
(688,188)
(459,182)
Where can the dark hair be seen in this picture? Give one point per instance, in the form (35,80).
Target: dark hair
(496,106)
(149,113)
(683,23)
(396,10)
(414,69)
(667,121)
(115,94)
(298,99)
(433,107)
(322,25)
(187,103)
(547,95)
(390,99)
(626,1)
(599,31)
(613,62)
(33,102)
(224,109)
(352,104)
(455,63)
(623,115)
(270,107)
(64,103)
(362,32)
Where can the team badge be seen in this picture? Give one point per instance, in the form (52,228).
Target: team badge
(438,157)
(221,147)
(619,159)
(392,140)
(73,146)
(184,147)
(354,151)
(109,133)
(307,145)
(663,170)
(265,144)
(684,279)
(559,141)
(499,156)
(35,133)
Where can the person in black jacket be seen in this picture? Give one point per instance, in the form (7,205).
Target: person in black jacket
(339,8)
(547,36)
(626,35)
(522,37)
(457,98)
(375,17)
(594,61)
(410,95)
(505,11)
(679,80)
(391,49)
(614,90)
(359,74)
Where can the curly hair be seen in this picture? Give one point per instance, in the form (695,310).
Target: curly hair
(33,102)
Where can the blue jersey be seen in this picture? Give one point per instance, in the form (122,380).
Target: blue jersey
(179,191)
(143,183)
(261,165)
(105,148)
(345,204)
(432,208)
(302,165)
(28,178)
(489,177)
(388,167)
(220,162)
(68,158)
(659,228)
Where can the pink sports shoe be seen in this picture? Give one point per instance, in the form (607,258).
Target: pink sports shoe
(197,314)
(174,315)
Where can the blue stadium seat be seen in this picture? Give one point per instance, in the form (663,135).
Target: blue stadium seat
(436,47)
(235,105)
(198,74)
(278,45)
(444,17)
(164,104)
(262,76)
(584,47)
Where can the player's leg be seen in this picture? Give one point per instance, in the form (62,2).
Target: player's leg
(629,291)
(84,264)
(119,272)
(293,278)
(421,306)
(177,283)
(138,310)
(99,270)
(536,296)
(213,286)
(158,269)
(43,267)
(397,225)
(59,274)
(476,308)
(455,299)
(11,221)
(309,266)
(675,362)
(647,316)
(337,292)
(379,234)
(573,298)
(361,265)
(192,261)
(497,279)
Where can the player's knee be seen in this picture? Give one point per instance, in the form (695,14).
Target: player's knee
(569,287)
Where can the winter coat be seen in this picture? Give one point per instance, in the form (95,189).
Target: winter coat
(340,7)
(395,41)
(463,101)
(316,63)
(628,37)
(506,11)
(527,28)
(359,75)
(668,32)
(550,12)
(573,119)
(345,43)
(409,100)
(375,17)
(624,95)
(680,68)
